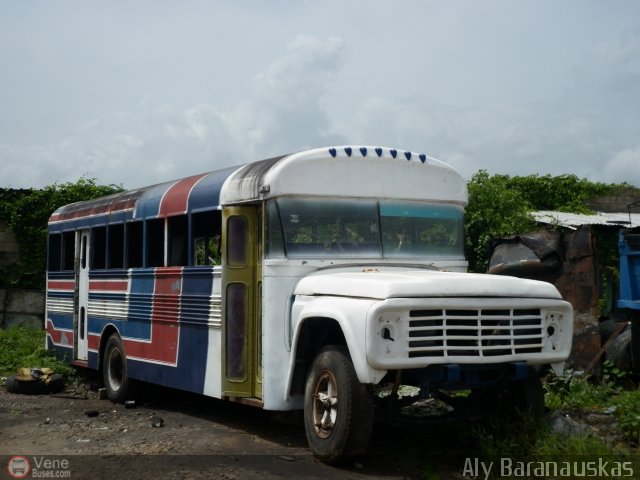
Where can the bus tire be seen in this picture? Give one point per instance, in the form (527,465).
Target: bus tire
(338,409)
(114,369)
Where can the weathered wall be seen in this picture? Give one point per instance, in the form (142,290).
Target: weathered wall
(9,248)
(615,203)
(21,307)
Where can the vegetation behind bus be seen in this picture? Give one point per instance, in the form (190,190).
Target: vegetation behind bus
(27,213)
(499,205)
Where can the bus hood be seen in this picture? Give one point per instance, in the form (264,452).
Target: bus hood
(383,284)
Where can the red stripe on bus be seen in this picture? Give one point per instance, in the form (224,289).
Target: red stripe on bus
(117,286)
(175,199)
(56,335)
(61,285)
(93,341)
(165,328)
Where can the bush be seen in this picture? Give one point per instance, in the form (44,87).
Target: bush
(27,213)
(25,347)
(627,405)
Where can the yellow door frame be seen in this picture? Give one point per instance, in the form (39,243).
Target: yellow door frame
(242,301)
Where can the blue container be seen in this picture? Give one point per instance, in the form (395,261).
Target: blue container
(629,248)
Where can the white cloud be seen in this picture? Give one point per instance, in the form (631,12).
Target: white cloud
(157,141)
(625,165)
(527,91)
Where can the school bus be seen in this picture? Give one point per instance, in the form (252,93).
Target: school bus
(302,281)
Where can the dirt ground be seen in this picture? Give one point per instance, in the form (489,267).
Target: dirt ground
(168,434)
(175,435)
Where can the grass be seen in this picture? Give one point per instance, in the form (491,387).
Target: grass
(614,394)
(25,347)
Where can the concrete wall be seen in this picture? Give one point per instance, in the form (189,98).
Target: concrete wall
(616,203)
(9,248)
(21,307)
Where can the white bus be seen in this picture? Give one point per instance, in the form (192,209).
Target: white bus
(297,282)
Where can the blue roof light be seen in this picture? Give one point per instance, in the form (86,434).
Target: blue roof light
(363,151)
(348,151)
(423,157)
(393,152)
(379,151)
(333,152)
(407,155)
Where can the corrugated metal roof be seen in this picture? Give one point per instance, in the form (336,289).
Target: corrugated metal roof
(575,220)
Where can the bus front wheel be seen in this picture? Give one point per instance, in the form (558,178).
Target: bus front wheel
(338,409)
(114,369)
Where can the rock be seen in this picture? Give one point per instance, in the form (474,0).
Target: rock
(156,421)
(563,425)
(91,413)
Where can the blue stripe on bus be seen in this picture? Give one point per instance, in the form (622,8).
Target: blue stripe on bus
(62,294)
(192,361)
(195,303)
(61,320)
(141,298)
(129,329)
(206,193)
(148,205)
(61,352)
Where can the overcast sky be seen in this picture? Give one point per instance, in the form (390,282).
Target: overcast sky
(138,92)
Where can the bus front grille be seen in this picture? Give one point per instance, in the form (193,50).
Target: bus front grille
(474,333)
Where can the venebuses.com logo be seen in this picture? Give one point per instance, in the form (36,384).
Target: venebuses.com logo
(18,467)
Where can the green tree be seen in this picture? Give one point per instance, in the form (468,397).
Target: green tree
(494,211)
(564,193)
(500,205)
(27,217)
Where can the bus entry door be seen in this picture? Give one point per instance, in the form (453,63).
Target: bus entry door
(241,303)
(81,295)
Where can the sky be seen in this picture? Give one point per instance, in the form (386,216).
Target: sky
(136,92)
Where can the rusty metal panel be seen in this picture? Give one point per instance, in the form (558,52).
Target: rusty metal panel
(566,259)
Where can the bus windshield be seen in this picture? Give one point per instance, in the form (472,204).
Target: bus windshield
(364,229)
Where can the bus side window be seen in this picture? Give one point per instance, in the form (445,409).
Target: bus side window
(99,247)
(206,237)
(154,241)
(55,252)
(177,241)
(115,253)
(134,244)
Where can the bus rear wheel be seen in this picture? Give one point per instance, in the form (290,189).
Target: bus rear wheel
(114,369)
(338,409)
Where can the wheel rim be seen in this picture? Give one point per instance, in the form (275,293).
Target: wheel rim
(115,367)
(325,404)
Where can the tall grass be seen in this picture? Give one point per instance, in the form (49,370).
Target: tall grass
(25,347)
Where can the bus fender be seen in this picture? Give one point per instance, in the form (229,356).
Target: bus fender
(324,320)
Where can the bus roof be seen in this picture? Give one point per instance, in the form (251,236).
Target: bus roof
(365,172)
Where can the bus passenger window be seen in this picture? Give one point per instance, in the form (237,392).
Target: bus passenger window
(99,247)
(206,238)
(178,240)
(116,246)
(154,240)
(68,250)
(134,245)
(55,252)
